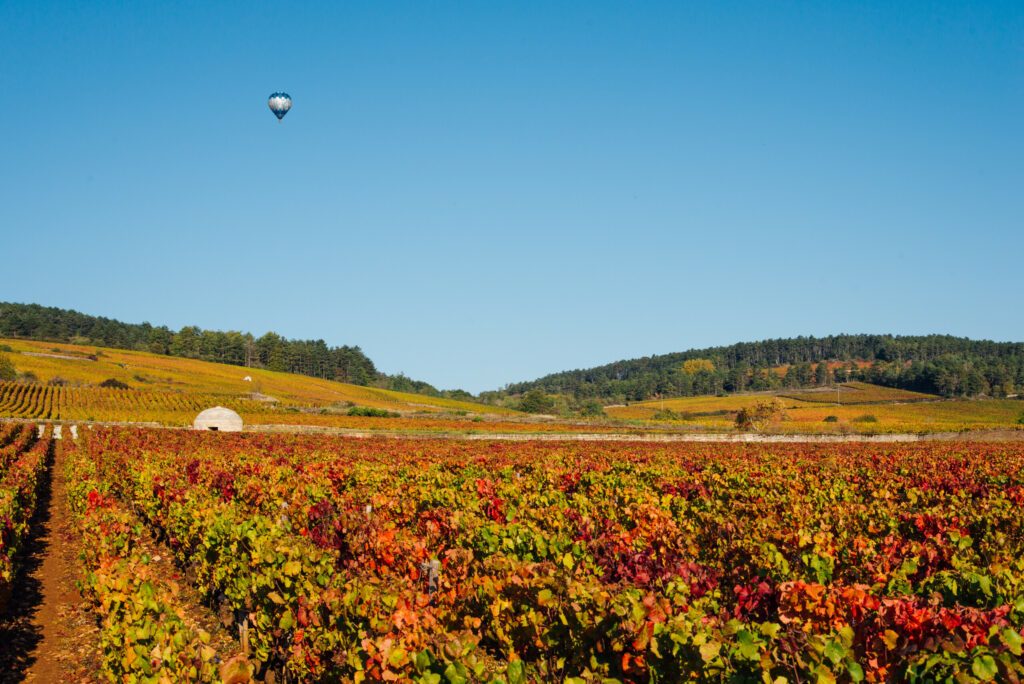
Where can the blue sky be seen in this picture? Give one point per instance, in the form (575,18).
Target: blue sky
(481,193)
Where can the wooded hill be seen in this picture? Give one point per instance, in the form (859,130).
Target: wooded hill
(936,364)
(271,351)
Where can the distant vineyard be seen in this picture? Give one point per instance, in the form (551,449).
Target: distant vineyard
(78,366)
(805,417)
(45,402)
(179,408)
(857,393)
(98,404)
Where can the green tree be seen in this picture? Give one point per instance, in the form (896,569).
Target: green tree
(186,342)
(160,340)
(821,374)
(804,374)
(535,401)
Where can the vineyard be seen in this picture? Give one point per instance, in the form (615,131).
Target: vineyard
(878,411)
(87,367)
(47,402)
(24,456)
(857,393)
(431,561)
(179,409)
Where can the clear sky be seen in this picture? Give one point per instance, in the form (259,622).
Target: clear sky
(481,193)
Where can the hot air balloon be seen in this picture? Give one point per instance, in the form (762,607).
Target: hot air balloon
(280,103)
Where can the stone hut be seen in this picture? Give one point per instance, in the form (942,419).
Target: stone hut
(219,419)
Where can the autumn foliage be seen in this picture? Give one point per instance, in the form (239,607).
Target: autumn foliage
(575,561)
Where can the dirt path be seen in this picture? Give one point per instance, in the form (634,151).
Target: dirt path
(46,631)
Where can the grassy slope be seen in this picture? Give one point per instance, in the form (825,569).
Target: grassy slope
(144,371)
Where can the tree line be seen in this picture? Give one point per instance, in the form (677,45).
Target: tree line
(936,364)
(271,351)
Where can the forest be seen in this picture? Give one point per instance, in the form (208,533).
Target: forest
(937,364)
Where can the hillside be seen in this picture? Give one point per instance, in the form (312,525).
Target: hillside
(271,351)
(62,382)
(934,364)
(170,390)
(854,407)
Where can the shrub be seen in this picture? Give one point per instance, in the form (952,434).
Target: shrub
(7,370)
(831,419)
(866,418)
(57,381)
(114,383)
(666,414)
(757,417)
(370,412)
(1020,421)
(592,409)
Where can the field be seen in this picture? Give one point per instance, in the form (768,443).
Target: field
(287,556)
(409,560)
(857,393)
(863,408)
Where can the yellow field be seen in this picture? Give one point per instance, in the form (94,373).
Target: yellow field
(912,413)
(857,393)
(220,382)
(934,416)
(688,405)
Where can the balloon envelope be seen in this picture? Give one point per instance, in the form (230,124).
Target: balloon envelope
(280,103)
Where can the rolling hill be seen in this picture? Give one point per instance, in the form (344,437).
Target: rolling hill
(170,390)
(859,408)
(315,358)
